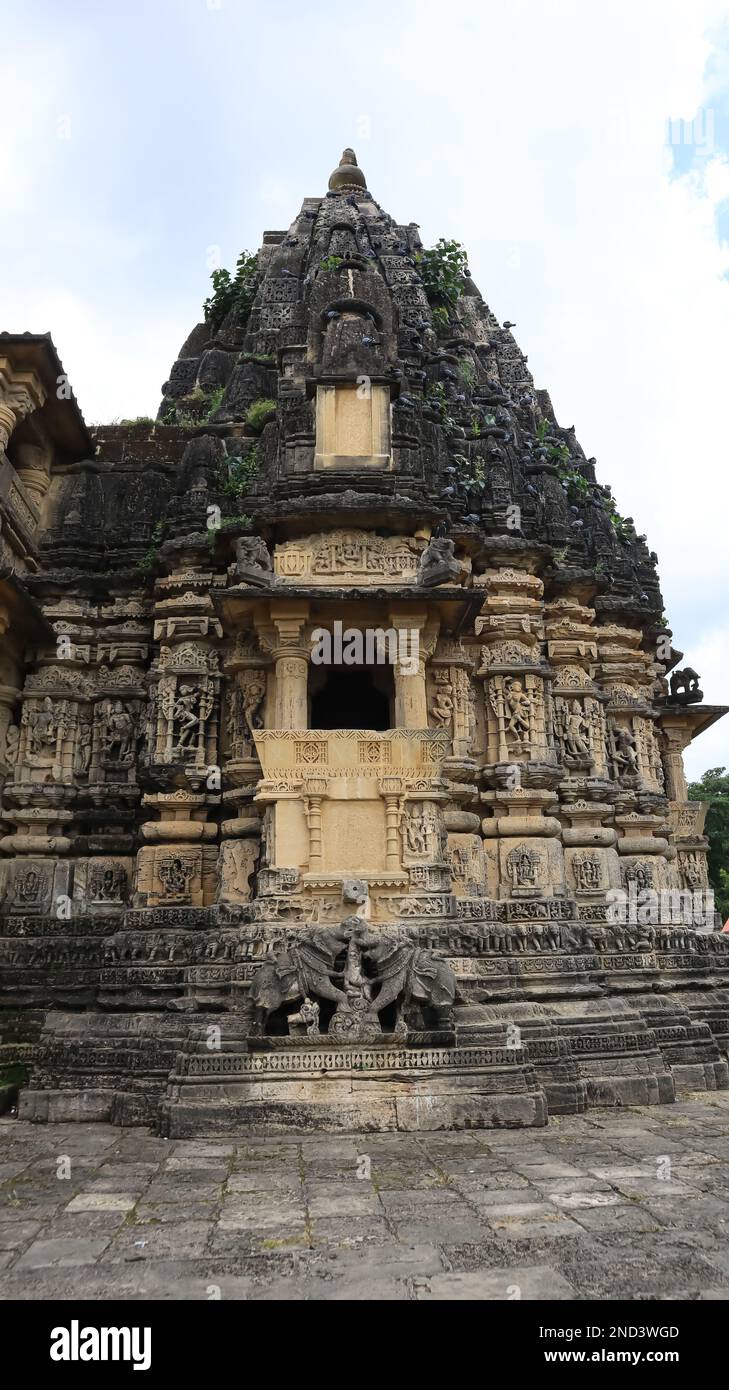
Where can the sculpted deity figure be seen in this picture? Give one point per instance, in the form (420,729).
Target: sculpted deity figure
(576,731)
(253,696)
(518,710)
(43,728)
(185,714)
(624,752)
(82,755)
(118,733)
(12,739)
(442,707)
(416,832)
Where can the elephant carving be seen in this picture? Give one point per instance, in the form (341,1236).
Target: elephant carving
(406,973)
(298,973)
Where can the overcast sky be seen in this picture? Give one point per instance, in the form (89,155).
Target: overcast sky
(141,140)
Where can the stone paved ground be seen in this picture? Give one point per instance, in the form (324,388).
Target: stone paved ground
(630,1204)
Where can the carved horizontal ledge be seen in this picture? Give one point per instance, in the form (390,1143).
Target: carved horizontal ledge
(334,881)
(374,1059)
(405,753)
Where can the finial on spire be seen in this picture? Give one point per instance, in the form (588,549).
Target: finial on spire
(347,175)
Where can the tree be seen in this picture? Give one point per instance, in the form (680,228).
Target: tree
(714,788)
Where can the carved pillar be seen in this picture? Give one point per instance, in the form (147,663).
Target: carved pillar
(281,634)
(626,677)
(178,865)
(314,791)
(525,834)
(391,789)
(33,466)
(516,691)
(292,675)
(20,394)
(416,642)
(578,713)
(9,697)
(677,734)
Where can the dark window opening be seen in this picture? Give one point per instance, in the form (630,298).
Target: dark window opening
(351,697)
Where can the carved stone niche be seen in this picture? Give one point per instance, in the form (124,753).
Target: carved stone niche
(529,859)
(579,727)
(692,869)
(46,745)
(176,876)
(529,868)
(236,866)
(243,713)
(102,885)
(515,708)
(34,886)
(178,865)
(591,861)
(112,755)
(466,859)
(688,818)
(353,427)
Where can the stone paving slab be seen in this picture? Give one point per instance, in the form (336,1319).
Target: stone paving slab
(628,1204)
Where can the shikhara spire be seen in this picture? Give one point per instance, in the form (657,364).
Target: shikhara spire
(463,815)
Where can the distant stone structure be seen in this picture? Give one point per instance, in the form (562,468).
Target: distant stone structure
(444,886)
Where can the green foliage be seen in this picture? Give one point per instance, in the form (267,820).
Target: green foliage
(442,270)
(576,485)
(542,431)
(714,788)
(232,291)
(147,564)
(214,400)
(330,263)
(436,400)
(475,426)
(467,372)
(559,454)
(242,469)
(622,528)
(138,420)
(260,413)
(441,320)
(471,472)
(195,408)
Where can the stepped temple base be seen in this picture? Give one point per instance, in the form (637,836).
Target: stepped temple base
(195,1070)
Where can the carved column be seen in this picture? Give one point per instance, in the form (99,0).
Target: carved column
(21,392)
(314,791)
(392,789)
(178,866)
(677,733)
(292,676)
(416,637)
(282,636)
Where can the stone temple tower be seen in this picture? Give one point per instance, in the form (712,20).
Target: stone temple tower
(340,761)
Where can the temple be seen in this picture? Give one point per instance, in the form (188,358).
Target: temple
(341,731)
